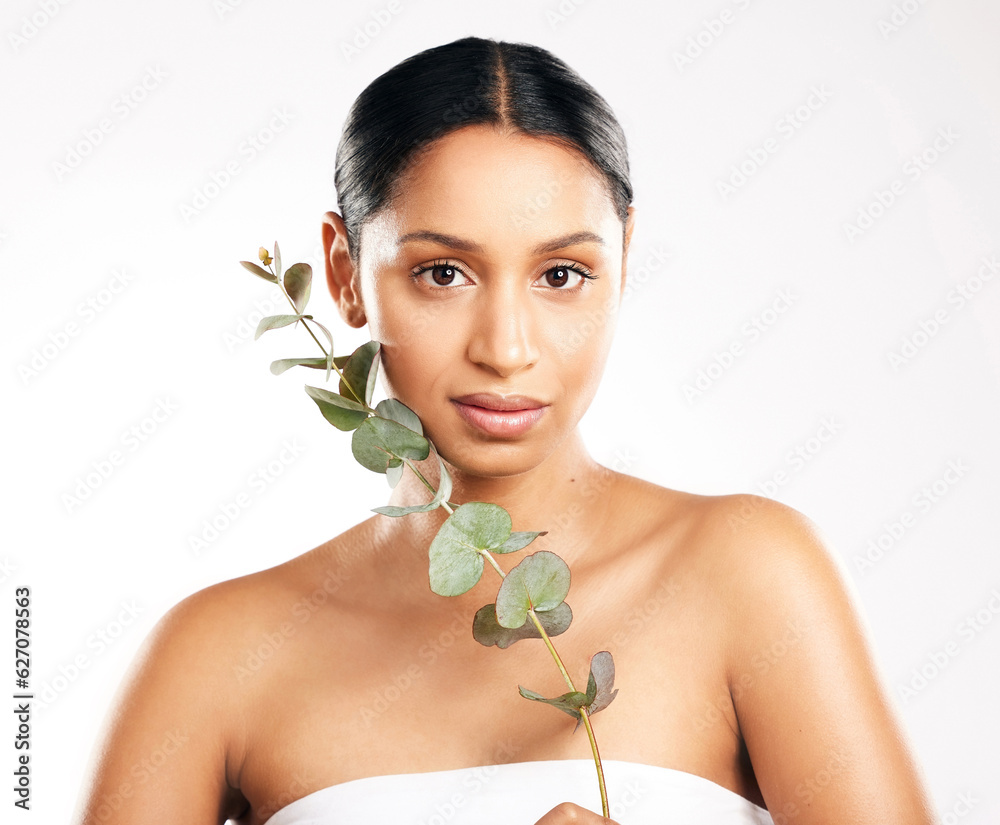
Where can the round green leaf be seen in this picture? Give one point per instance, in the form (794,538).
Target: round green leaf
(456,562)
(482,525)
(398,411)
(343,413)
(298,283)
(488,631)
(277,261)
(454,568)
(539,582)
(361,372)
(378,440)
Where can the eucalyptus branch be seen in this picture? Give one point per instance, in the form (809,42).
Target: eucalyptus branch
(583,712)
(388,438)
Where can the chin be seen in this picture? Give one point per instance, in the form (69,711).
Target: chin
(497,460)
(493,459)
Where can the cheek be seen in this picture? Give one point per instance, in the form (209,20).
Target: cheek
(580,343)
(415,349)
(397,320)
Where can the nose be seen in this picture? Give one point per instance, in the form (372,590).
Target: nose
(503,335)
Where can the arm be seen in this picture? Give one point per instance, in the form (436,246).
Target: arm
(822,732)
(162,757)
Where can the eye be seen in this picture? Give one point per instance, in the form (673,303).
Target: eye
(445,274)
(442,274)
(562,274)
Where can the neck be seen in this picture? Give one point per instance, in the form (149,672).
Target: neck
(557,496)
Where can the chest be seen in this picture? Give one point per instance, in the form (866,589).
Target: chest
(359,698)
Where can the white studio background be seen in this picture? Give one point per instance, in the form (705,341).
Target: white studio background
(816,196)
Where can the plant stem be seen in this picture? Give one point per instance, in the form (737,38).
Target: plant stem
(428,485)
(552,648)
(584,716)
(597,761)
(319,344)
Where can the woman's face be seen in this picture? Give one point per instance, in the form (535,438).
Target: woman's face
(476,283)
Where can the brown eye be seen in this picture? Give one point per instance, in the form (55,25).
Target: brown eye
(558,276)
(443,275)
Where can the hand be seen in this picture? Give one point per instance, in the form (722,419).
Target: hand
(566,813)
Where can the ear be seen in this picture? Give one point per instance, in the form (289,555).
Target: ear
(341,276)
(629,226)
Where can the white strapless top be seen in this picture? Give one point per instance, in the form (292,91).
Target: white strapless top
(520,793)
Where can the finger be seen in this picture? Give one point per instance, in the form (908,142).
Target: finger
(569,813)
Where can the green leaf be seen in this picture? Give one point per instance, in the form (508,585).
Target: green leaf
(277,262)
(275,322)
(518,541)
(484,526)
(278,367)
(488,631)
(456,562)
(394,471)
(443,491)
(600,683)
(361,372)
(540,582)
(568,703)
(377,440)
(602,670)
(454,569)
(343,413)
(398,411)
(298,283)
(444,479)
(259,272)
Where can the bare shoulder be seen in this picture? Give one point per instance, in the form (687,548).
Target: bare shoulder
(172,743)
(756,539)
(822,731)
(780,579)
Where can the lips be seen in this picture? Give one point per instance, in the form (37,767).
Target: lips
(490,401)
(504,416)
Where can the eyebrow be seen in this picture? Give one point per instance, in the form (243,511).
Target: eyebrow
(573,238)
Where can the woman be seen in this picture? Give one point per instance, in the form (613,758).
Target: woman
(483,231)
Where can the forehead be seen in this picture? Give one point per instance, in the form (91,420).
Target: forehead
(503,190)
